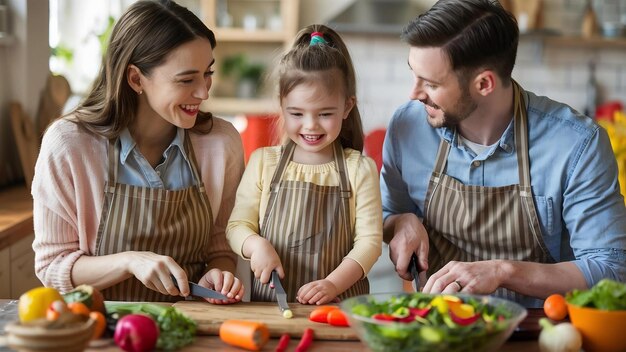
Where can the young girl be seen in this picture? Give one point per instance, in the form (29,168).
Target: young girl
(311,209)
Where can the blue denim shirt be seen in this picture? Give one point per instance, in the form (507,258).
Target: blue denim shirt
(573,176)
(174,172)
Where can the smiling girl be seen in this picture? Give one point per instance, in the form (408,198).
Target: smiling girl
(120,199)
(311,209)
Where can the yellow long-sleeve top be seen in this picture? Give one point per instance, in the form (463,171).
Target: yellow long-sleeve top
(365,201)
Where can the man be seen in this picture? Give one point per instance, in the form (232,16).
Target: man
(495,189)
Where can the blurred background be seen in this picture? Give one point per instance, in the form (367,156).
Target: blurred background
(573,51)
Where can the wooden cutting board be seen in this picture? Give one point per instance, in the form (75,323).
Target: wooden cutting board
(209,318)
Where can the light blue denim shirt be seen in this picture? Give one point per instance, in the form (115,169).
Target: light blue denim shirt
(174,171)
(573,176)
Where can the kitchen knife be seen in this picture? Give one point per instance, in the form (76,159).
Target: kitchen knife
(201,291)
(414,271)
(281,295)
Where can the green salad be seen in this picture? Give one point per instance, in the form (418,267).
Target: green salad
(606,294)
(422,322)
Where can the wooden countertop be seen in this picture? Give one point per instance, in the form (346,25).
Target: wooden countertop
(213,343)
(16,215)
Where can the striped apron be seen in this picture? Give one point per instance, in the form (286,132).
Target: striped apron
(309,226)
(473,223)
(174,223)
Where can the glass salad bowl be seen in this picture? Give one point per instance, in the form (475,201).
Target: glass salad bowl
(422,322)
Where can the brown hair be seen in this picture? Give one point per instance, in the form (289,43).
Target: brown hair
(143,36)
(472,33)
(305,63)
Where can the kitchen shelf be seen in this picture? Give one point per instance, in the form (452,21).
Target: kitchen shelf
(236,106)
(591,42)
(242,35)
(260,46)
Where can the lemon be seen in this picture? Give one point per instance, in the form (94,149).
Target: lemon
(34,303)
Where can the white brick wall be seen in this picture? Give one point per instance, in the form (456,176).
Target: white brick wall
(384,80)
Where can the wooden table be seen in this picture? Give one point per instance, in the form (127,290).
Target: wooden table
(213,343)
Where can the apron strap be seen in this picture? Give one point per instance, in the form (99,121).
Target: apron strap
(114,157)
(442,157)
(340,161)
(521,136)
(192,160)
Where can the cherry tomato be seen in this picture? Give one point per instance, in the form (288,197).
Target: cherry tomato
(320,315)
(78,308)
(555,307)
(101,324)
(336,317)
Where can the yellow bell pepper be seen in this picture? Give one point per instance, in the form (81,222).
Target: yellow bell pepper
(34,303)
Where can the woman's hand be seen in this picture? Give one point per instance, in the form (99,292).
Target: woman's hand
(317,292)
(153,270)
(263,258)
(224,282)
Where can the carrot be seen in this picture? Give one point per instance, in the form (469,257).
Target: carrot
(283,343)
(250,335)
(305,341)
(101,324)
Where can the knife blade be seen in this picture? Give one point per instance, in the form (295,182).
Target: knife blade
(281,295)
(201,291)
(414,271)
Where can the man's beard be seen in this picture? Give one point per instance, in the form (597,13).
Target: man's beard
(465,106)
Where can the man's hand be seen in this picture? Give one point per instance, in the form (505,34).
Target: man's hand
(482,277)
(409,236)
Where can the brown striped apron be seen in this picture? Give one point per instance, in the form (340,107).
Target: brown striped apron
(175,223)
(472,223)
(309,226)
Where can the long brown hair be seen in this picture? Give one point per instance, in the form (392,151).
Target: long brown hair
(307,63)
(143,36)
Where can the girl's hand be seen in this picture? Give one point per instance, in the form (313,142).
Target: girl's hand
(153,270)
(263,259)
(224,282)
(317,292)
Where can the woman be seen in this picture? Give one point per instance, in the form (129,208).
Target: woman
(132,187)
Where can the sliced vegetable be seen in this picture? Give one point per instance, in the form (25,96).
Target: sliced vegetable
(305,341)
(555,307)
(337,318)
(88,295)
(246,334)
(283,343)
(320,315)
(136,333)
(563,337)
(464,321)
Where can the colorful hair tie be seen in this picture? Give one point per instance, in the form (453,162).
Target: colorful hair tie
(317,38)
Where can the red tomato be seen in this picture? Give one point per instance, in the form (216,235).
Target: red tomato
(555,307)
(336,318)
(320,315)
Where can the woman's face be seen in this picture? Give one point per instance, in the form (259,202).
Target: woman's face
(313,118)
(175,89)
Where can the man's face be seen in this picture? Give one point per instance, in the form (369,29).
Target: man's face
(437,86)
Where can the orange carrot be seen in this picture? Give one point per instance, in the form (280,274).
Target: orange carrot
(250,335)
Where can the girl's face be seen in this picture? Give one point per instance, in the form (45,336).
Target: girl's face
(175,89)
(313,117)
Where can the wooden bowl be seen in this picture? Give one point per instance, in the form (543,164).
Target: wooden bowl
(602,330)
(72,338)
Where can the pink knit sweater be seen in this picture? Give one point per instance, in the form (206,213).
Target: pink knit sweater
(68,191)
